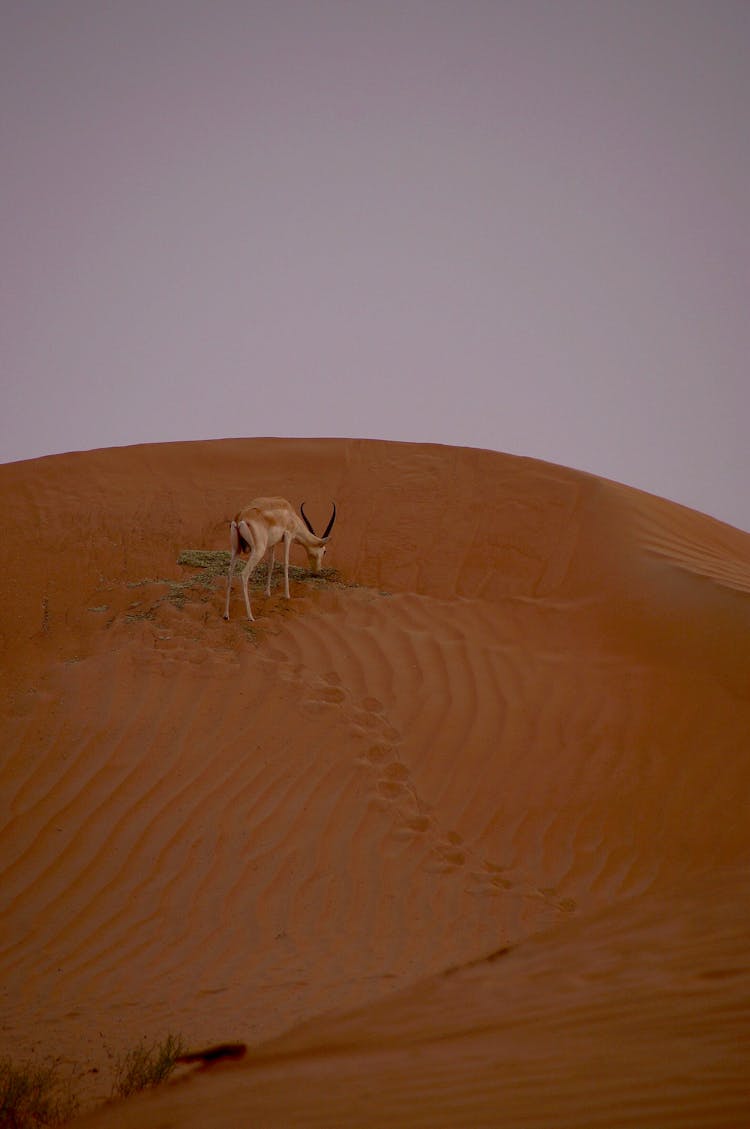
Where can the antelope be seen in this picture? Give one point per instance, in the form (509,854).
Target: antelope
(258,529)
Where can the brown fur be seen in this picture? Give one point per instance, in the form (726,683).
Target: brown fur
(267,522)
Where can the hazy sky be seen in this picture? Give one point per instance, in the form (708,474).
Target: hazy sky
(512,224)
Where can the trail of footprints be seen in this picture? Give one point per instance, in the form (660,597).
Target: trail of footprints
(392,788)
(391,783)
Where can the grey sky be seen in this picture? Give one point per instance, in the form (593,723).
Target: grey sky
(516,225)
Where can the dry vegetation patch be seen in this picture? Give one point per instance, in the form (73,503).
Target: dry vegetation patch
(34,1095)
(144,1066)
(215,562)
(204,573)
(40,1095)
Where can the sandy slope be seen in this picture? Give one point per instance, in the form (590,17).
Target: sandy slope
(463,844)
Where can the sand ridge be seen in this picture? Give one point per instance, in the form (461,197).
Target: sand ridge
(519,725)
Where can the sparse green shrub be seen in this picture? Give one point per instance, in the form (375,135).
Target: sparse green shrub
(145,1066)
(33,1095)
(215,563)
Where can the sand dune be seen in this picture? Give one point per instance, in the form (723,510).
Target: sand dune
(461,839)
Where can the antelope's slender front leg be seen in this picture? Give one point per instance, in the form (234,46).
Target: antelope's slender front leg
(287,547)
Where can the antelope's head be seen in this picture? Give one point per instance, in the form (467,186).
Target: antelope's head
(315,553)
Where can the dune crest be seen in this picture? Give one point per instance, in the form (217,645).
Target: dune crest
(466,829)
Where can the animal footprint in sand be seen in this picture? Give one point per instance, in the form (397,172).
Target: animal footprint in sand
(491,879)
(322,697)
(448,852)
(331,694)
(394,781)
(376,754)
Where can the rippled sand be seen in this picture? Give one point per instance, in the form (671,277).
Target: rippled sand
(459,840)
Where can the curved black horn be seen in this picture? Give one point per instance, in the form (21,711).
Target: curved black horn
(306,519)
(329,527)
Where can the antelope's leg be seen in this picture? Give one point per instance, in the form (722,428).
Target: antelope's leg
(256,553)
(271,559)
(287,547)
(235,547)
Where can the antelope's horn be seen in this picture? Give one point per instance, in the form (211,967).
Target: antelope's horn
(307,520)
(329,527)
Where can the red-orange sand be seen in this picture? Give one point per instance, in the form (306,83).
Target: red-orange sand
(462,841)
